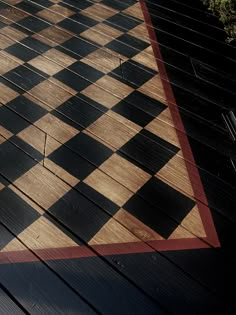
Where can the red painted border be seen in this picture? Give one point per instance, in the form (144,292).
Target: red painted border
(140,247)
(194,176)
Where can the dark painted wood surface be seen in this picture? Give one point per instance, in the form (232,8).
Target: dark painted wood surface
(100,182)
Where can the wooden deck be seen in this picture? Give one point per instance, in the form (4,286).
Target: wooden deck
(117,174)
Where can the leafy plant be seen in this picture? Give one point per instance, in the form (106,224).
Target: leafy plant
(226,10)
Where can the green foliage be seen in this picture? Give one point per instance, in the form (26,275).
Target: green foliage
(226,10)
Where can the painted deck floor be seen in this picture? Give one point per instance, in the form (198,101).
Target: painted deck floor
(117,172)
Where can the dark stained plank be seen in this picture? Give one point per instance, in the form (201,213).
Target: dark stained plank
(8,306)
(36,287)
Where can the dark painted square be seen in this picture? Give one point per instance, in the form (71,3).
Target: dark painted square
(27,148)
(14,162)
(35,44)
(133,41)
(21,52)
(24,77)
(89,148)
(145,103)
(6,237)
(79,46)
(72,162)
(26,108)
(34,24)
(80,111)
(132,73)
(132,113)
(84,20)
(79,214)
(72,80)
(65,119)
(72,26)
(11,121)
(15,213)
(120,6)
(86,71)
(149,151)
(151,216)
(28,7)
(172,202)
(79,4)
(100,200)
(122,22)
(121,48)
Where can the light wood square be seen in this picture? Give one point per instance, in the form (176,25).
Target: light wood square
(108,187)
(42,186)
(45,65)
(124,172)
(56,128)
(59,57)
(7,94)
(114,86)
(100,96)
(99,12)
(50,93)
(101,34)
(112,131)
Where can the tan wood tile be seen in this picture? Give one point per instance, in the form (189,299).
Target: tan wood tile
(114,86)
(50,93)
(1,185)
(6,134)
(13,14)
(103,60)
(55,13)
(101,96)
(146,58)
(13,2)
(175,174)
(99,12)
(63,10)
(45,65)
(5,42)
(164,131)
(136,227)
(44,234)
(53,36)
(125,172)
(108,187)
(140,32)
(59,57)
(56,128)
(101,34)
(13,33)
(112,233)
(2,140)
(6,93)
(6,63)
(13,246)
(42,186)
(124,120)
(154,89)
(60,172)
(50,16)
(111,131)
(135,11)
(34,137)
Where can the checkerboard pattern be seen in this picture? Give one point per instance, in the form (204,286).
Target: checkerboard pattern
(88,149)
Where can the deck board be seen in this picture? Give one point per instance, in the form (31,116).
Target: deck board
(111,180)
